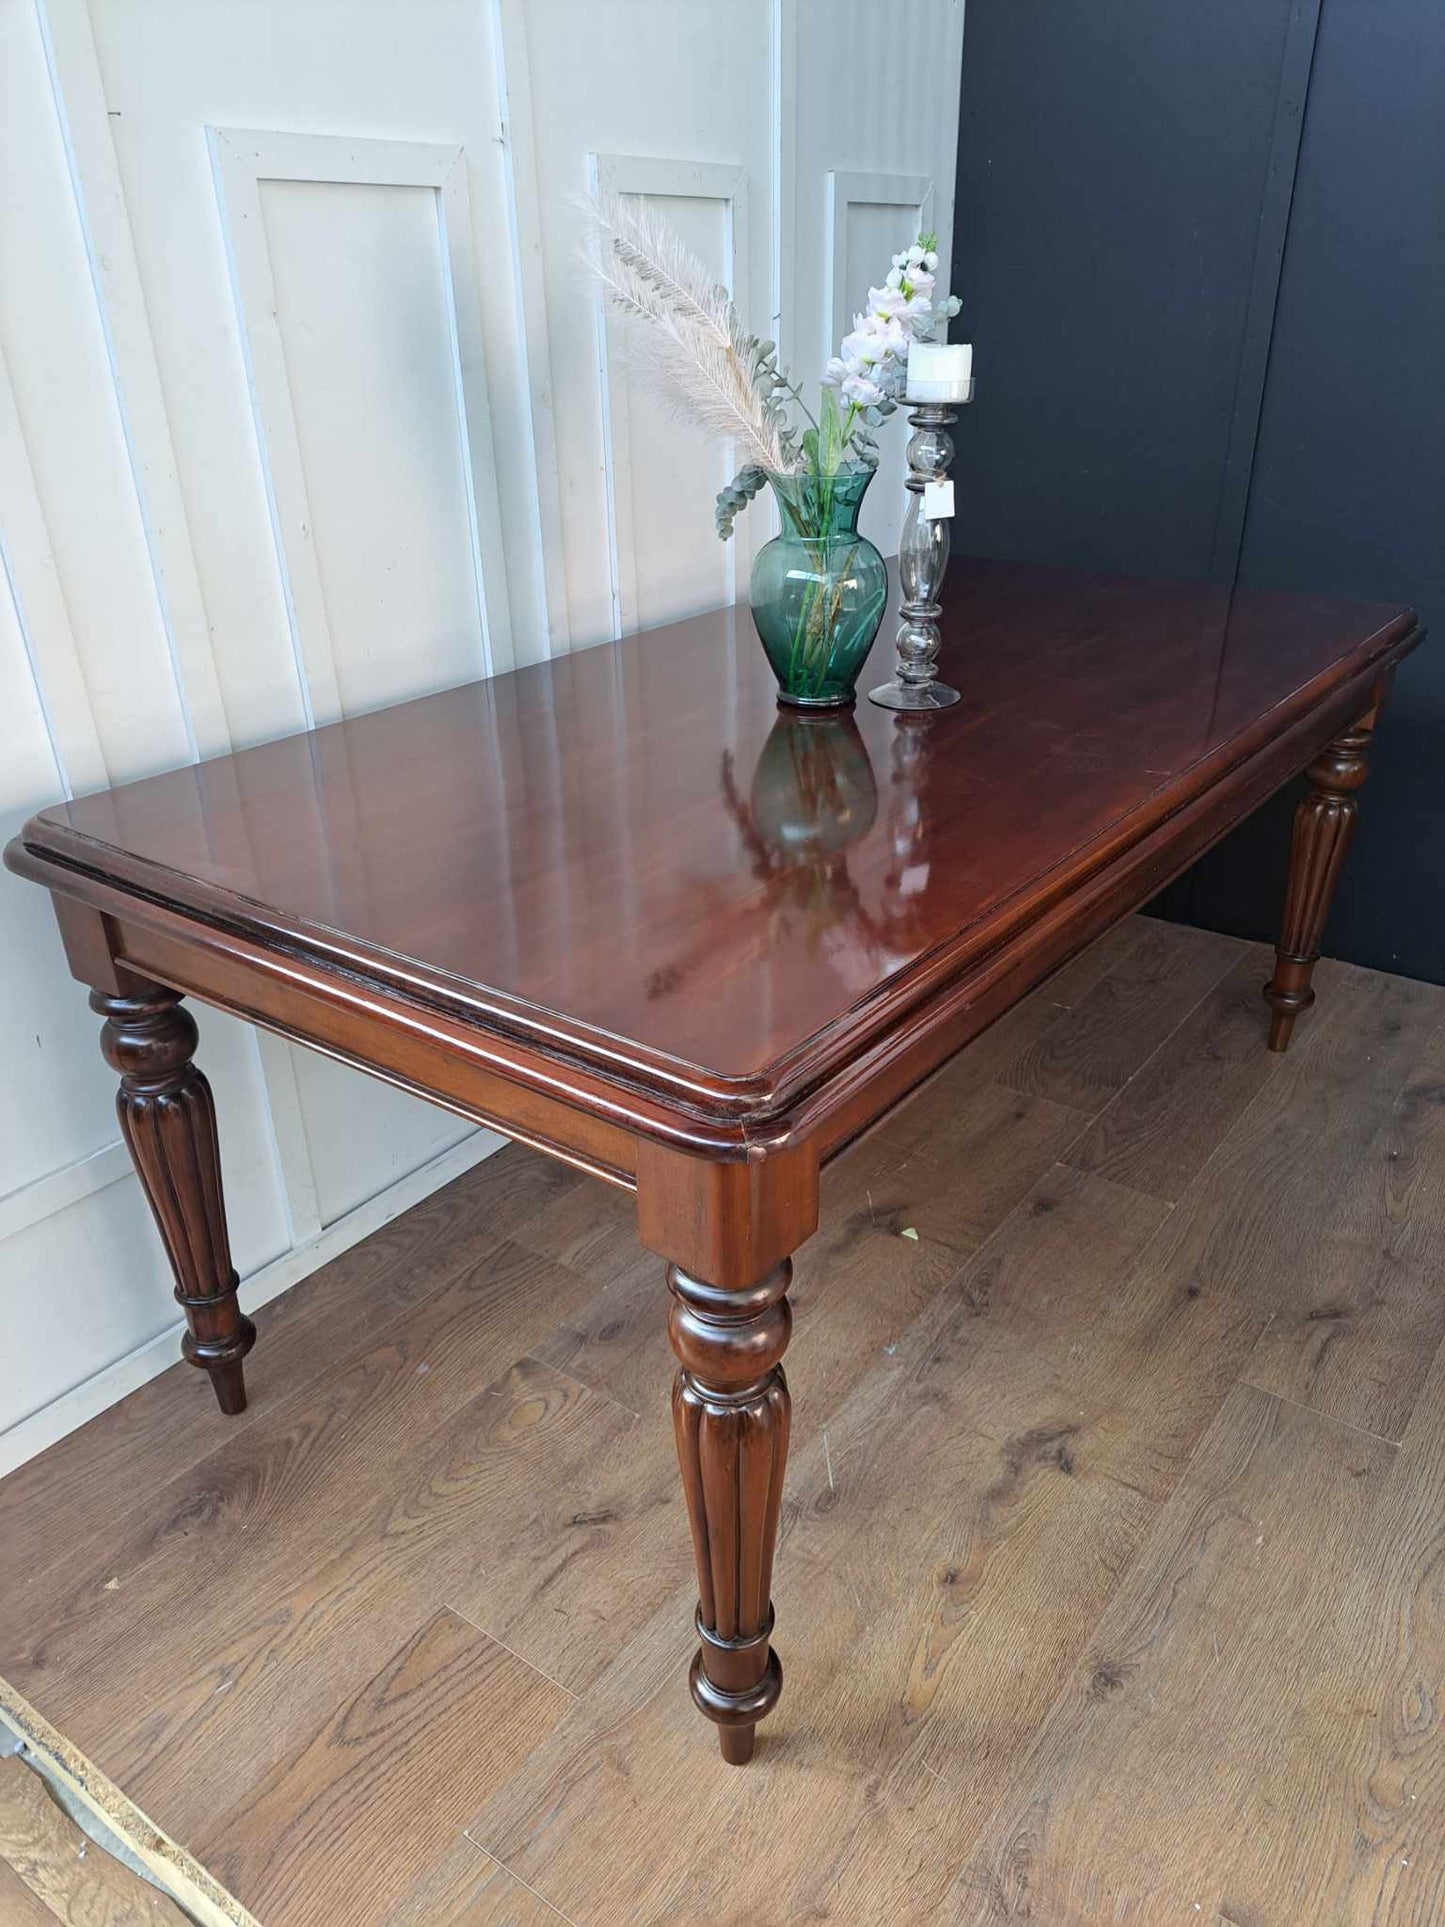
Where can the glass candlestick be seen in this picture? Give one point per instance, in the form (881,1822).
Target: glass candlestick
(922,559)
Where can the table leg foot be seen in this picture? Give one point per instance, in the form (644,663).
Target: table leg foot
(731,1413)
(168,1118)
(1324,826)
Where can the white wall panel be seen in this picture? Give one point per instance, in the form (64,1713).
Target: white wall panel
(95,1310)
(321,69)
(662,83)
(61,1106)
(357,302)
(658,478)
(301,420)
(867,133)
(869,219)
(381,1139)
(72,422)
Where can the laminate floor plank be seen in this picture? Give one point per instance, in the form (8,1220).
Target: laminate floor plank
(995,1049)
(1156,1779)
(307,1504)
(592,1228)
(1358,1343)
(467,1888)
(527,1481)
(50,1871)
(1164,1123)
(21,1906)
(968,1144)
(343,1828)
(1262,1220)
(1364,1819)
(1092,1050)
(964,1154)
(53,1501)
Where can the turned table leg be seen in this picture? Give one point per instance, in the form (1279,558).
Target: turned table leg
(731,1409)
(168,1119)
(1324,824)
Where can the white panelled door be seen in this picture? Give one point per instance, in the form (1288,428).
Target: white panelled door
(305,407)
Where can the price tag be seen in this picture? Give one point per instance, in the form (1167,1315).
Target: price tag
(938,500)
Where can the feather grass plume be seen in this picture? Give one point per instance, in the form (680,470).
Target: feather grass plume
(708,367)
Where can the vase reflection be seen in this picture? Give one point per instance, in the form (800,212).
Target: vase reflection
(836,861)
(813,791)
(812,798)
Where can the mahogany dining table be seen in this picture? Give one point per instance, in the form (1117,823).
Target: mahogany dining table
(625,908)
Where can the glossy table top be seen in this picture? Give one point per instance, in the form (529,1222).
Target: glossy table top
(635,842)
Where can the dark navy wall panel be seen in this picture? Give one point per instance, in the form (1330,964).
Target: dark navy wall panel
(1348,486)
(1190,317)
(1104,245)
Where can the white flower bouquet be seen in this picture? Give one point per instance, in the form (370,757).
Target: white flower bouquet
(816,611)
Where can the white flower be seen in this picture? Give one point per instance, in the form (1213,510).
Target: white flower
(871,365)
(862,346)
(860,389)
(874,336)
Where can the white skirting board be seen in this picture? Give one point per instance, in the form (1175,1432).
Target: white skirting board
(93,1395)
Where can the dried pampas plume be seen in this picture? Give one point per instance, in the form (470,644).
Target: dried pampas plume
(695,345)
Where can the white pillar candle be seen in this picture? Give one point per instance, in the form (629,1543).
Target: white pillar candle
(939,370)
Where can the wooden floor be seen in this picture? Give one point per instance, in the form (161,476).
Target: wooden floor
(1112,1580)
(51,1871)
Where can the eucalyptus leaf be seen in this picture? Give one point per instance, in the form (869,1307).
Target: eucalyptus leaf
(733,499)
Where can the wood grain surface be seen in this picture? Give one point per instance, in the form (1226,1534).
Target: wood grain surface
(1108,1580)
(20,1905)
(466,1888)
(375,1796)
(50,1871)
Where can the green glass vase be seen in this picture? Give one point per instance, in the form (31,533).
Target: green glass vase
(818,588)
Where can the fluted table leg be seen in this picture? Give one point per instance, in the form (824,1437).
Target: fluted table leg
(731,1412)
(1324,826)
(168,1119)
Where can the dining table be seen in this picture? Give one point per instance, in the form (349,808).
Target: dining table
(625,907)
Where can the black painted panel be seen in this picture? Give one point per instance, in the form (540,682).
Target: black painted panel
(1105,237)
(1348,491)
(1118,166)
